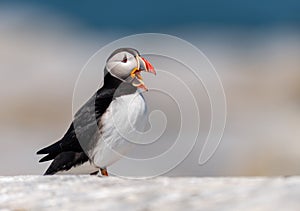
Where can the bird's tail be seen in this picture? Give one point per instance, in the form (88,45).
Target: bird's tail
(52,151)
(65,161)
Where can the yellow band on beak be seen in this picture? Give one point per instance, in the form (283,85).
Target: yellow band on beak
(132,74)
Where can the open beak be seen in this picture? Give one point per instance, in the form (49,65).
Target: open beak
(143,65)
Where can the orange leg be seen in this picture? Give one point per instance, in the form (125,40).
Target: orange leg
(104,172)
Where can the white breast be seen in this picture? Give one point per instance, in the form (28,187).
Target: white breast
(122,118)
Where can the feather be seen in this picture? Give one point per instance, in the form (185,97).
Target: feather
(65,161)
(68,152)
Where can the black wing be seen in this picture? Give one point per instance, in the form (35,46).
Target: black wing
(68,152)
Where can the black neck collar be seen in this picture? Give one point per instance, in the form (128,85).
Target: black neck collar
(120,87)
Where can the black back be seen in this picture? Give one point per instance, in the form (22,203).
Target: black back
(68,151)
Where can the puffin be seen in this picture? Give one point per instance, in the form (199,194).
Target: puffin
(97,135)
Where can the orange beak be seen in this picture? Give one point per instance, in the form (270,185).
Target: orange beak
(144,65)
(149,68)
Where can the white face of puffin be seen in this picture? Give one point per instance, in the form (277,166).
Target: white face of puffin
(127,64)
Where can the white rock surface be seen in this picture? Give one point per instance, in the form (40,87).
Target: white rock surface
(162,193)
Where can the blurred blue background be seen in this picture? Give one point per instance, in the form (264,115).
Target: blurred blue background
(159,15)
(254,45)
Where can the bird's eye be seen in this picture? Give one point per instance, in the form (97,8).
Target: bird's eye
(124,59)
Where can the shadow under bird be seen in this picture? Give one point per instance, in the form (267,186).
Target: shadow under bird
(93,137)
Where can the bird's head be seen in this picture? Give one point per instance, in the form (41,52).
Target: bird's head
(126,64)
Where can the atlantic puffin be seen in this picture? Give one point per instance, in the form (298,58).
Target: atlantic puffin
(93,137)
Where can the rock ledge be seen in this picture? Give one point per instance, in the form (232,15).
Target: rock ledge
(161,193)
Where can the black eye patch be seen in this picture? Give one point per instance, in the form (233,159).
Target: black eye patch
(124,59)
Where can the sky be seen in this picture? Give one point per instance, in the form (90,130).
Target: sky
(156,14)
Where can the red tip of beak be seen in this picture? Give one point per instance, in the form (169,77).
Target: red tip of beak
(149,66)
